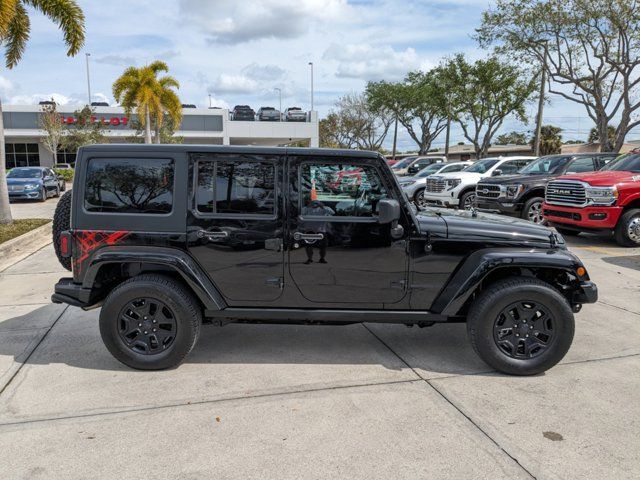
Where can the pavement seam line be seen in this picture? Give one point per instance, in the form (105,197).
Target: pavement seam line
(206,402)
(620,308)
(452,404)
(26,360)
(23,259)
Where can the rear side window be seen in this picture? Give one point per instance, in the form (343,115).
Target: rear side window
(236,187)
(129,185)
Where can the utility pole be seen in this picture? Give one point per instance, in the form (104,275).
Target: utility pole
(210,101)
(395,139)
(87,55)
(446,142)
(311,65)
(543,80)
(280,99)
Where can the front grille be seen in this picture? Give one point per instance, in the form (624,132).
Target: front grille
(561,214)
(487,191)
(16,188)
(565,192)
(435,185)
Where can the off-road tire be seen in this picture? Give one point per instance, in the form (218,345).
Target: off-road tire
(567,232)
(486,309)
(622,234)
(184,306)
(62,222)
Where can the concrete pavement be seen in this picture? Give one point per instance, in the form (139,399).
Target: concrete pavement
(363,401)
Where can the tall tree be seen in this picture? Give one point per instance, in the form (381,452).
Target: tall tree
(512,138)
(51,122)
(483,94)
(387,95)
(419,102)
(594,134)
(550,140)
(334,133)
(591,50)
(14,33)
(141,90)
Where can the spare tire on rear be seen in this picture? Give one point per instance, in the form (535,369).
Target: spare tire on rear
(61,223)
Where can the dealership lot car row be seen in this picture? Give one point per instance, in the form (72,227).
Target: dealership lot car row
(268,114)
(591,192)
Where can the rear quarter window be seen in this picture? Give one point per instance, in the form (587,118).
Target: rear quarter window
(129,185)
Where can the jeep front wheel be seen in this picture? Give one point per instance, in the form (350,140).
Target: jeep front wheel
(628,229)
(520,326)
(150,322)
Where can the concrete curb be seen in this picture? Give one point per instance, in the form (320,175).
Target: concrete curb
(18,248)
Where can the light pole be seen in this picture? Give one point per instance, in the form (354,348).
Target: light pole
(87,55)
(311,65)
(279,90)
(543,80)
(209,100)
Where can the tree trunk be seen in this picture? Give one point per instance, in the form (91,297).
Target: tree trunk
(157,131)
(147,126)
(5,208)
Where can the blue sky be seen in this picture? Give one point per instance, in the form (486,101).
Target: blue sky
(239,52)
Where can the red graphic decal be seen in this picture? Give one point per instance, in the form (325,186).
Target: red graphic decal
(89,240)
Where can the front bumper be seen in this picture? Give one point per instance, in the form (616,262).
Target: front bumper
(587,293)
(494,205)
(596,218)
(24,195)
(446,198)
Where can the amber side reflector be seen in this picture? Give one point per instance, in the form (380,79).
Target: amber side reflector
(581,271)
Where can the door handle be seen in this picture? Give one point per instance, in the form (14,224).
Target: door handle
(308,236)
(212,235)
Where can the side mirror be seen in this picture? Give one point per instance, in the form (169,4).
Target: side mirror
(388,211)
(496,173)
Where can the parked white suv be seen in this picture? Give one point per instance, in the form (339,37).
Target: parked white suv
(414,186)
(459,189)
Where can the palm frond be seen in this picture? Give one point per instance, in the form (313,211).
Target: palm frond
(17,36)
(7,12)
(68,15)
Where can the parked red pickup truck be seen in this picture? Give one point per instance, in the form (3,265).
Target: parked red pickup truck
(606,200)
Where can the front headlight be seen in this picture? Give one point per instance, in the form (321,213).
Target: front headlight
(513,191)
(30,186)
(601,195)
(453,183)
(407,183)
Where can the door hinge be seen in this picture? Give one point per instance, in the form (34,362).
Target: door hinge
(276,282)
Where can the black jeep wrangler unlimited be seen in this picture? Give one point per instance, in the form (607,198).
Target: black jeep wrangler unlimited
(167,237)
(522,194)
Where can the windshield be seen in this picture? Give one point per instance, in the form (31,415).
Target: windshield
(548,164)
(25,173)
(430,170)
(403,163)
(482,166)
(625,163)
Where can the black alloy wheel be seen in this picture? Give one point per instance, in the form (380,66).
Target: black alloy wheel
(147,326)
(524,329)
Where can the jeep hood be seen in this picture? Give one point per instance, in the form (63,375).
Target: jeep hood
(485,228)
(605,178)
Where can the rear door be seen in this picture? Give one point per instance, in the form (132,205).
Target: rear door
(235,224)
(340,253)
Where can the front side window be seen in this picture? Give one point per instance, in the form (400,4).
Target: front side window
(129,185)
(625,163)
(580,165)
(340,190)
(454,168)
(431,169)
(236,187)
(482,166)
(510,167)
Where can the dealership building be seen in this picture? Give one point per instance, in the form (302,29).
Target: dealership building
(24,147)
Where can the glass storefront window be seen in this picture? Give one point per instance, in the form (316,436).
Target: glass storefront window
(21,155)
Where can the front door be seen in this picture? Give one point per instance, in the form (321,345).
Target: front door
(339,252)
(235,224)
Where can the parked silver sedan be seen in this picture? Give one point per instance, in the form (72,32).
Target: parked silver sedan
(414,186)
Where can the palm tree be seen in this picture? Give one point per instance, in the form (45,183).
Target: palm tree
(14,33)
(141,90)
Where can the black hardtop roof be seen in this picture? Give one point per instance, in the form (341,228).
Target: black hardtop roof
(237,149)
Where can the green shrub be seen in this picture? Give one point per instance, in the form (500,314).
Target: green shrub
(65,173)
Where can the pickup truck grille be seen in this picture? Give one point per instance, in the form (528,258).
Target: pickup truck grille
(435,185)
(487,191)
(565,192)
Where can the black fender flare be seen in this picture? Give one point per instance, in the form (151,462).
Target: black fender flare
(173,258)
(475,267)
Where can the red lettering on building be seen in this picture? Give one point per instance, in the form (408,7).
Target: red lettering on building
(109,122)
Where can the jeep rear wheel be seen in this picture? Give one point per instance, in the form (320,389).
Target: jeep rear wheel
(628,229)
(150,322)
(61,223)
(520,326)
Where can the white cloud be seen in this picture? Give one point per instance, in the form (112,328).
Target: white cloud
(215,102)
(34,99)
(232,21)
(368,62)
(263,72)
(235,84)
(117,60)
(5,86)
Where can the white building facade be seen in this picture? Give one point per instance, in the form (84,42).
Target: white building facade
(24,147)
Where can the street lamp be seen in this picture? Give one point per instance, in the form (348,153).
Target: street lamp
(311,65)
(87,55)
(279,90)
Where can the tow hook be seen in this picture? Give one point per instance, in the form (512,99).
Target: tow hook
(576,307)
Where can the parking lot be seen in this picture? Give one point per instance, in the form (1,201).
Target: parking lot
(362,401)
